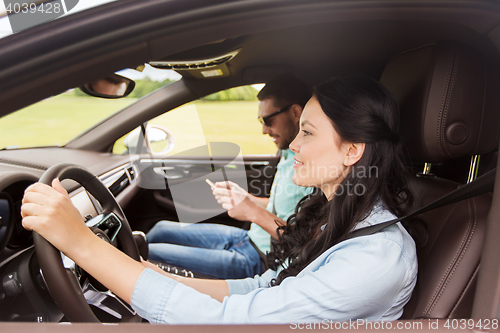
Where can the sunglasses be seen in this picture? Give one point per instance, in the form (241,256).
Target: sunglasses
(266,120)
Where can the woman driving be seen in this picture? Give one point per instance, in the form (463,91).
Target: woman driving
(347,148)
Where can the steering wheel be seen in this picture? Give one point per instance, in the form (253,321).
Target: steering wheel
(71,297)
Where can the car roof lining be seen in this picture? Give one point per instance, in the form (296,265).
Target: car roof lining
(41,71)
(266,53)
(375,43)
(293,40)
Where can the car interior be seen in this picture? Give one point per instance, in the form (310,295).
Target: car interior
(440,61)
(425,81)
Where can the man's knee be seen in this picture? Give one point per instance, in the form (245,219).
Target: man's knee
(160,229)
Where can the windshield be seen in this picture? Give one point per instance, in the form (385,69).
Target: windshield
(18,15)
(57,120)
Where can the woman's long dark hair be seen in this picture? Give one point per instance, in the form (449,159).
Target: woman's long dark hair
(361,111)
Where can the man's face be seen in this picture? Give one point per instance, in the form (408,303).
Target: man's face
(283,127)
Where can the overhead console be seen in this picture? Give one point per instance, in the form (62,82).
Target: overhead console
(206,61)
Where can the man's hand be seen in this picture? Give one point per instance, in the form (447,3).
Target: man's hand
(237,201)
(243,206)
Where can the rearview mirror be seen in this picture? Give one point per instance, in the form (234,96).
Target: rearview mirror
(113,86)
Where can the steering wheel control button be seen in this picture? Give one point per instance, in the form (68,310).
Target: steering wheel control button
(101,234)
(110,224)
(11,284)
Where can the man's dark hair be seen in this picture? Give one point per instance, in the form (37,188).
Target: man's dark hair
(286,89)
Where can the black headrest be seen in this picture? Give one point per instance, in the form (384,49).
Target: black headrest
(449,100)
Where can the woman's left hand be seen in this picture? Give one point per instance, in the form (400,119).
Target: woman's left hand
(50,212)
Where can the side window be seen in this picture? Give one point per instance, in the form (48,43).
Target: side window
(228,116)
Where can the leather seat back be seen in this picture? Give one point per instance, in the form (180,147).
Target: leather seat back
(447,94)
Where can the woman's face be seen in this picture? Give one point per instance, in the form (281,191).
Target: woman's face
(322,158)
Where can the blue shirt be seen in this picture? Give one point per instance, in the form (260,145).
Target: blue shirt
(284,194)
(369,277)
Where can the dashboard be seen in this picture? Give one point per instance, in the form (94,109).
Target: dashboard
(23,293)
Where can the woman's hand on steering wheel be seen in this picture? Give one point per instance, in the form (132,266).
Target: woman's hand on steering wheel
(50,212)
(58,226)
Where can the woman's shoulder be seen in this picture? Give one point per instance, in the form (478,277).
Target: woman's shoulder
(387,254)
(378,214)
(394,239)
(396,232)
(390,249)
(394,236)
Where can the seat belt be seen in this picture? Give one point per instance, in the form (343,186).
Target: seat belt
(480,185)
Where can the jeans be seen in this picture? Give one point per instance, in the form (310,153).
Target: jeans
(218,250)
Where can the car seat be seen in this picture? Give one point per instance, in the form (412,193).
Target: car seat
(448,94)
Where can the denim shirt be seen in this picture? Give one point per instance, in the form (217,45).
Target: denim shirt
(369,277)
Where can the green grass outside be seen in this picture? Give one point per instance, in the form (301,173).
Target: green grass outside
(57,120)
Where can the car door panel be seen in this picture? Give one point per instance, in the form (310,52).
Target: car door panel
(160,179)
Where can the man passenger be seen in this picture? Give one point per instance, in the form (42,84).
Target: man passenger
(227,252)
